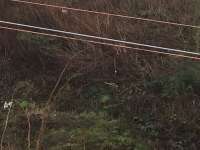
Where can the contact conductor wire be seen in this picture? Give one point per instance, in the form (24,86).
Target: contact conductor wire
(100,43)
(101,38)
(104,13)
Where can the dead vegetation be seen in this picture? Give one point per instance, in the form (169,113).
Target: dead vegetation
(151,101)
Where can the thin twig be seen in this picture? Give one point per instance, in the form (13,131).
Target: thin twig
(6,124)
(47,107)
(29,129)
(41,133)
(56,85)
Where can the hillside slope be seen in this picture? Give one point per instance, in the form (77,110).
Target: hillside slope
(109,98)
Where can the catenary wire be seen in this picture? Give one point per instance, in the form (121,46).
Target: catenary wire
(100,38)
(105,13)
(100,43)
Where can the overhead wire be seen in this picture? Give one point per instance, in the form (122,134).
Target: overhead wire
(100,43)
(101,38)
(105,13)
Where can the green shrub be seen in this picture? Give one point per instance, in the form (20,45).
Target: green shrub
(93,131)
(183,82)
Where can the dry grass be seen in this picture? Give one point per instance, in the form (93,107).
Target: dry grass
(95,63)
